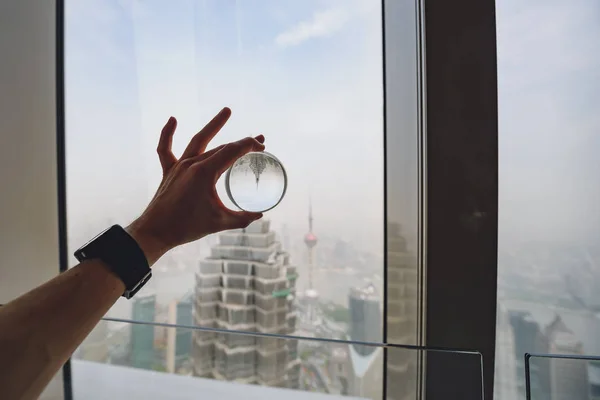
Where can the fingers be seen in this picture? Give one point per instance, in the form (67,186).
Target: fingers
(205,155)
(165,154)
(209,153)
(200,140)
(227,155)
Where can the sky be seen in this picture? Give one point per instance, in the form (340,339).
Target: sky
(308,75)
(549,120)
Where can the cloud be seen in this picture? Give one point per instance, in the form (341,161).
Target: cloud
(322,24)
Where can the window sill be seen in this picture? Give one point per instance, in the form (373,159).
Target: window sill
(95,381)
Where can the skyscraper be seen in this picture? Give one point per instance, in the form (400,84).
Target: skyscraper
(568,379)
(365,317)
(247,284)
(401,316)
(179,340)
(142,351)
(311,296)
(183,340)
(366,362)
(528,339)
(505,377)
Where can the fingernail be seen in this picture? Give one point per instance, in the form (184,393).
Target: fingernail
(260,138)
(224,110)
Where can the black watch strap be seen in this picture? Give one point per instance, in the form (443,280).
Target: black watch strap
(117,249)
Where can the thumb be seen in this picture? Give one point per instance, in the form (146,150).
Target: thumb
(240,219)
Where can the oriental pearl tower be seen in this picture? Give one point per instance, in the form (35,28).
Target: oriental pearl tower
(311,295)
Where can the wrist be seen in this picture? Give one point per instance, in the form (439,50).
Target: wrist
(151,245)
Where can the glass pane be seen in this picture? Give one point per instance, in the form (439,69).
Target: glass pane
(563,377)
(548,276)
(158,362)
(307,74)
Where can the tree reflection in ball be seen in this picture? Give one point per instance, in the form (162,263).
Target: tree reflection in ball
(256,182)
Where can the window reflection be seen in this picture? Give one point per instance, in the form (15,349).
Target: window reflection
(548,215)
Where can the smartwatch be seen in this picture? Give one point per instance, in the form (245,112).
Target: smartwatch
(121,253)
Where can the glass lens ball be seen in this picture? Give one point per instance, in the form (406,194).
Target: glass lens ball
(256,182)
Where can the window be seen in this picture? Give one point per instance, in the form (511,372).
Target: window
(307,74)
(548,253)
(310,75)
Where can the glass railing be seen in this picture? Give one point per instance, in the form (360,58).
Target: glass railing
(124,360)
(562,377)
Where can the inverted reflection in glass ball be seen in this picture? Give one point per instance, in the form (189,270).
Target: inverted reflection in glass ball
(256,182)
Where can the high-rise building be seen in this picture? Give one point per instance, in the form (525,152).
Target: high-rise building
(528,339)
(183,340)
(366,362)
(142,353)
(365,317)
(247,284)
(401,316)
(179,340)
(505,377)
(311,296)
(365,374)
(568,379)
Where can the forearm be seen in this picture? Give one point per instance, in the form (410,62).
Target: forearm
(40,330)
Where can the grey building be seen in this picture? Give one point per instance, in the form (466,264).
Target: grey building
(142,351)
(365,372)
(365,317)
(247,284)
(402,310)
(568,379)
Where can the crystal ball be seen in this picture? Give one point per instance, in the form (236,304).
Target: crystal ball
(256,182)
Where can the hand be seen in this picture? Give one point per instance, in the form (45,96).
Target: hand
(186,206)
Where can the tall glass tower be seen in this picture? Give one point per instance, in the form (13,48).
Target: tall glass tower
(311,295)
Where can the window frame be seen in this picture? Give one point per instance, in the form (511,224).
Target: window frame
(61,169)
(462,183)
(457,132)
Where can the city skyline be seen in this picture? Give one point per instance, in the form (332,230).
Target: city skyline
(216,303)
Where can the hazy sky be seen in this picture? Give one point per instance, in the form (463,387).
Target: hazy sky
(549,115)
(306,74)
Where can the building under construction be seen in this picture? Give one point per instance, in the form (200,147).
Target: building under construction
(246,285)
